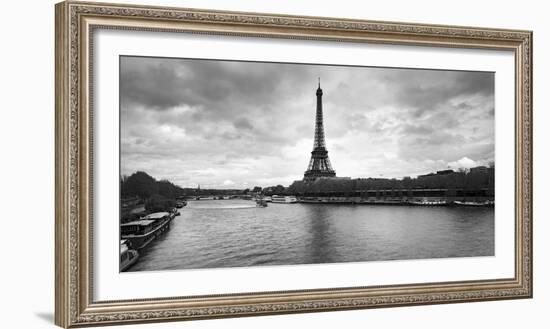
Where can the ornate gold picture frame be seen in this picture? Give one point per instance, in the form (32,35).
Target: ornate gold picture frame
(75,24)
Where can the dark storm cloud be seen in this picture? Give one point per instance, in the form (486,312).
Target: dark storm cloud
(220,122)
(161,84)
(153,86)
(243,123)
(428,90)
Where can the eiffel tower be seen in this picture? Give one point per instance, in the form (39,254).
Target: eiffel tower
(319,165)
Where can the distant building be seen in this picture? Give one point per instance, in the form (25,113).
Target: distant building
(445,172)
(480,170)
(438,173)
(335,179)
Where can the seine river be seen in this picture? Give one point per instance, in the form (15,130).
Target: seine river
(231,233)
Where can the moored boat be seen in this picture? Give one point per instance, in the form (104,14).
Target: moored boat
(426,202)
(487,203)
(128,256)
(174,212)
(142,232)
(284,199)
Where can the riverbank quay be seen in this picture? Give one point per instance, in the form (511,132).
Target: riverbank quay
(449,202)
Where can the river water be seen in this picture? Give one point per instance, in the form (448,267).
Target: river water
(232,233)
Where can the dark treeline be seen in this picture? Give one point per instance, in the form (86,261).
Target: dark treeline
(140,189)
(143,186)
(274,190)
(476,179)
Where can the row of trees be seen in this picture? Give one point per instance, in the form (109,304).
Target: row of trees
(142,189)
(142,185)
(274,190)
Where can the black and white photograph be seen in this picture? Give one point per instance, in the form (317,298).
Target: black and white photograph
(236,163)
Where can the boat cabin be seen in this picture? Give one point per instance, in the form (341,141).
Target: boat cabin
(138,227)
(157,216)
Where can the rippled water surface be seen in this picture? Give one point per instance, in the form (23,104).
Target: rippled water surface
(230,233)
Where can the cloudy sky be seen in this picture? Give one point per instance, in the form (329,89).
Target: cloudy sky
(226,124)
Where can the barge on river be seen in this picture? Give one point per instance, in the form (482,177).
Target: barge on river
(141,233)
(284,199)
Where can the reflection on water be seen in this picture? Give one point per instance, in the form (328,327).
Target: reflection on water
(231,233)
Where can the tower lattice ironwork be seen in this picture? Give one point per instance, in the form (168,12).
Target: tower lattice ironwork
(319,165)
